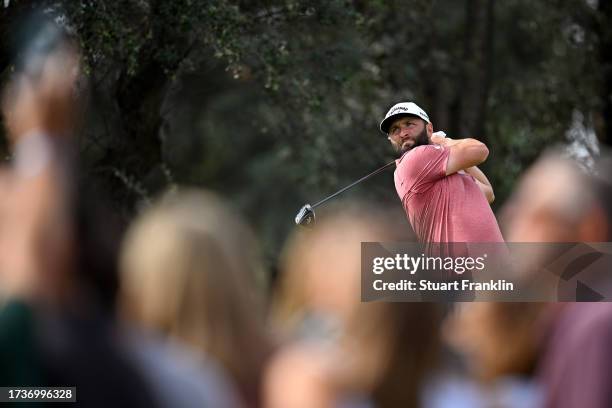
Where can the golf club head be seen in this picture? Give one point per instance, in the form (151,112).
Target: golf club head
(306,216)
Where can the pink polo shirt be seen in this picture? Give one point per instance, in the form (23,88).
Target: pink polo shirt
(442,208)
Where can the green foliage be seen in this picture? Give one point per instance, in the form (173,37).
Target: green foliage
(275,103)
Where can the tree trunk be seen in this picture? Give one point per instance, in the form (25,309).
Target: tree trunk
(487,73)
(468,111)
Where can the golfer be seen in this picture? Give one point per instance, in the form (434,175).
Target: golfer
(445,196)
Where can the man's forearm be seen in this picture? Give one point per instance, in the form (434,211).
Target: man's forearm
(464,153)
(483,182)
(473,170)
(478,175)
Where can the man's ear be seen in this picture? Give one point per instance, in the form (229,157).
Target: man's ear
(429,128)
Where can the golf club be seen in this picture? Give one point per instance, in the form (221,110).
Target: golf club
(306,216)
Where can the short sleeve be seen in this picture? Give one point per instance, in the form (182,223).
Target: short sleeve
(420,167)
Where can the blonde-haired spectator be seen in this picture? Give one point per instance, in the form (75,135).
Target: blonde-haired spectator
(340,351)
(189,269)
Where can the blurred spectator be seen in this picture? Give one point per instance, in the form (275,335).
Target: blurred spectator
(344,353)
(53,331)
(501,343)
(58,253)
(498,344)
(188,273)
(497,339)
(39,106)
(556,202)
(308,293)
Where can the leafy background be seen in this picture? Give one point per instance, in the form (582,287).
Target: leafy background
(276,103)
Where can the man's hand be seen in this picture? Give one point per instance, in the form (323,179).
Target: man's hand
(439,138)
(481,180)
(464,153)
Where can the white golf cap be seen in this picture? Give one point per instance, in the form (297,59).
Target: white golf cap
(399,109)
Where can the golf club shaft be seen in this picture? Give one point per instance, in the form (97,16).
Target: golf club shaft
(375,172)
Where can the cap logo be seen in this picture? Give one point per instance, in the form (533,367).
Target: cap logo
(404,109)
(399,108)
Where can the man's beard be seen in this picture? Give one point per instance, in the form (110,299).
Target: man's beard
(420,140)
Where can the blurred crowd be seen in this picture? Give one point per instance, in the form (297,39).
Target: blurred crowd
(172,310)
